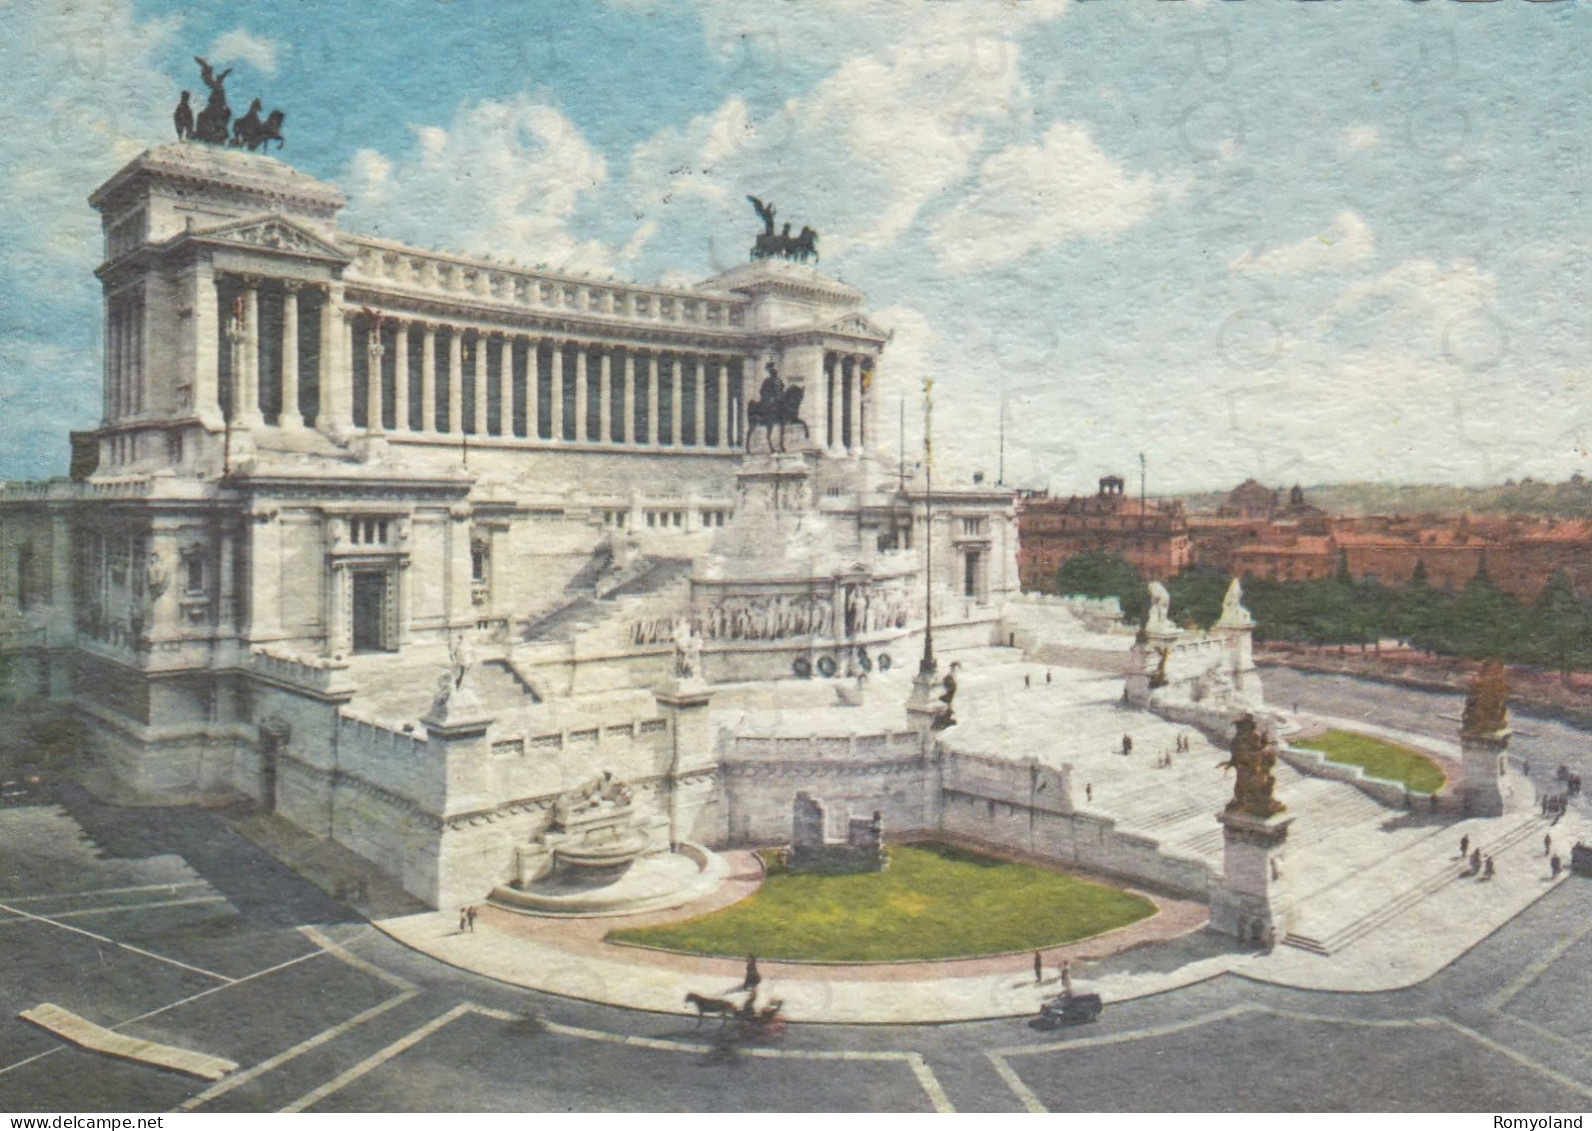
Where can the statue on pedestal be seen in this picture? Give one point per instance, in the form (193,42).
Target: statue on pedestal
(687,651)
(1254,757)
(1487,701)
(775,406)
(1234,615)
(1159,620)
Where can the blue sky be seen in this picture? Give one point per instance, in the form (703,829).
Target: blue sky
(1299,241)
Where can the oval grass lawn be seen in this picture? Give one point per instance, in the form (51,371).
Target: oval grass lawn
(1379,759)
(932,902)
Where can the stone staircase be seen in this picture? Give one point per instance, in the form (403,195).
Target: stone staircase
(1435,878)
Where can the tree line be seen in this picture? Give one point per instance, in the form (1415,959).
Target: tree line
(1478,622)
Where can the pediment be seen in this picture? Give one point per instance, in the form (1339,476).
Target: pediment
(857,326)
(273,233)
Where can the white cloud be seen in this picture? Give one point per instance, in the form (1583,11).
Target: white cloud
(1357,139)
(240,46)
(1347,243)
(68,120)
(917,92)
(504,178)
(1032,197)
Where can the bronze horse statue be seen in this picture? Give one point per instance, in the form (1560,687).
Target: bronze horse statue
(776,406)
(249,132)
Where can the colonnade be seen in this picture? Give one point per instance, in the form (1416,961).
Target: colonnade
(382,373)
(847,378)
(448,379)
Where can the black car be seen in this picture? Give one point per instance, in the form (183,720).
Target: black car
(1068,1009)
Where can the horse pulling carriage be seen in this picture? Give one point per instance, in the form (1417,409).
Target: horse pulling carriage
(750,1023)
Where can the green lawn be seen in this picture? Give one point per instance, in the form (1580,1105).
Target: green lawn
(1379,759)
(933,901)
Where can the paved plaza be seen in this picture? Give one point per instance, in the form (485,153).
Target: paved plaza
(166,925)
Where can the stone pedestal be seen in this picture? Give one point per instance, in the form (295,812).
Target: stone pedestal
(1147,667)
(1487,787)
(692,763)
(1250,903)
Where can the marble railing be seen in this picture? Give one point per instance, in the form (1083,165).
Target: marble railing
(477,281)
(321,674)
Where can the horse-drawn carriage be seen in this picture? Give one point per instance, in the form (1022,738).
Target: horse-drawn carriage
(750,1023)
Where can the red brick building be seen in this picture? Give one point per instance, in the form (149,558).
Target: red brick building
(1153,537)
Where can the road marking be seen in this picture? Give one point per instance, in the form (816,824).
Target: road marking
(181,1001)
(1022,1091)
(1536,969)
(238,1079)
(376,1060)
(113,942)
(914,1061)
(118,907)
(107,891)
(1519,1057)
(341,952)
(1133,1035)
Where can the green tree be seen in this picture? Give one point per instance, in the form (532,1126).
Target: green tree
(1556,628)
(1484,623)
(1198,593)
(1096,573)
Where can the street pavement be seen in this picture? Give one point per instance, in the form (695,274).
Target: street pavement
(165,924)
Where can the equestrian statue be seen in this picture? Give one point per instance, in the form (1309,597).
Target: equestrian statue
(776,406)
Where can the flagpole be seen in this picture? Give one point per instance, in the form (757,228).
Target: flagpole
(926,666)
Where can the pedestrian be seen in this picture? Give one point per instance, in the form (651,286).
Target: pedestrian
(1464,845)
(464,919)
(472,920)
(1547,844)
(1047,675)
(1039,968)
(1028,683)
(753,978)
(1127,744)
(1475,861)
(1066,977)
(1088,791)
(1525,767)
(1555,866)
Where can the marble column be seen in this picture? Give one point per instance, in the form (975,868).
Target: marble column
(374,409)
(347,386)
(505,384)
(479,369)
(533,405)
(226,587)
(582,433)
(291,417)
(237,332)
(833,421)
(455,381)
(627,396)
(723,364)
(428,379)
(652,399)
(605,397)
(198,282)
(699,383)
(400,374)
(249,385)
(336,403)
(560,360)
(676,401)
(856,409)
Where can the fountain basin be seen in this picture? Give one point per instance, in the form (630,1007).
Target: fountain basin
(651,882)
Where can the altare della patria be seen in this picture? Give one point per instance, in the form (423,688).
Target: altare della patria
(555,597)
